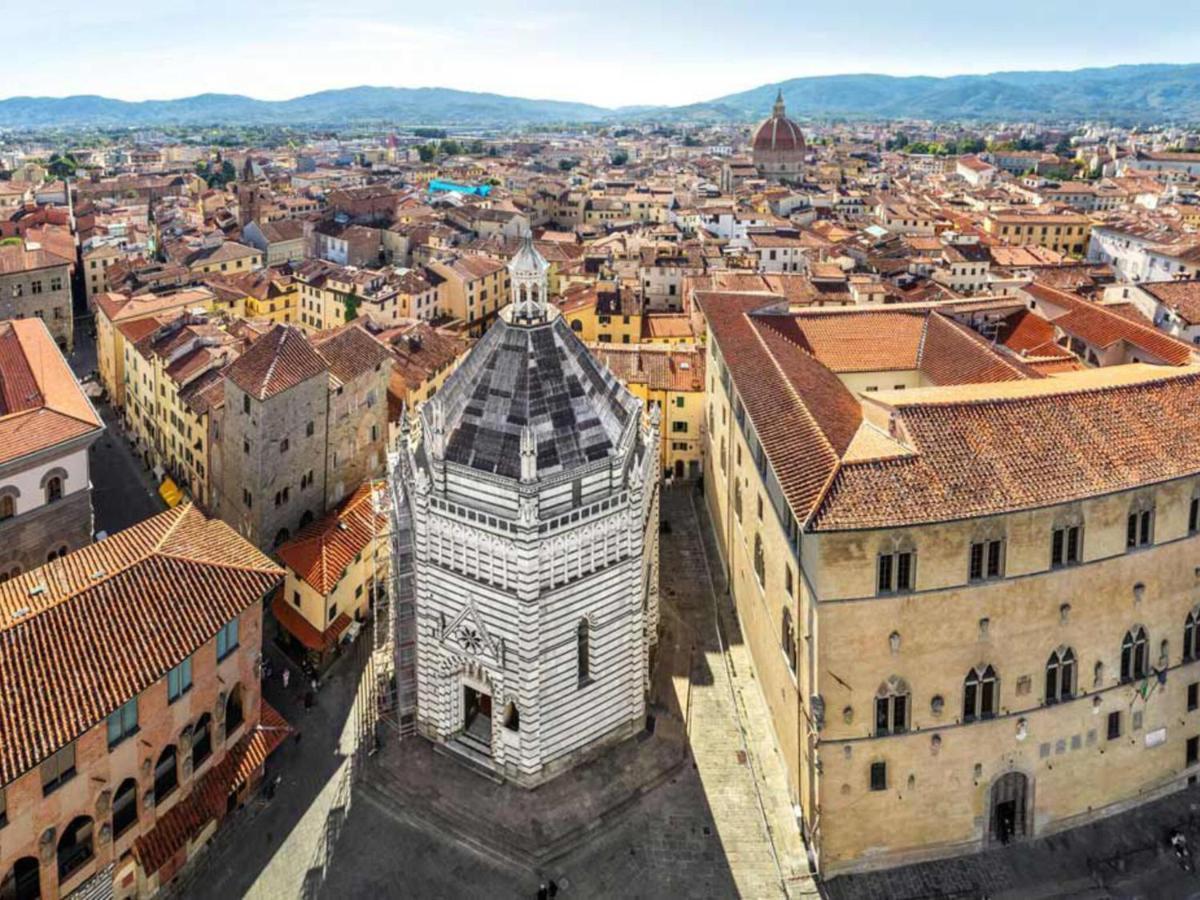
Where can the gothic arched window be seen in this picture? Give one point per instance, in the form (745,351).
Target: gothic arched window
(760,563)
(891,707)
(1191,646)
(1135,654)
(1060,675)
(980,694)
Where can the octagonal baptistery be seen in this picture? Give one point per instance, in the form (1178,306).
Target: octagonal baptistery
(778,147)
(534,494)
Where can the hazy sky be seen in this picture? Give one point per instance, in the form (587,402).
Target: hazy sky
(609,52)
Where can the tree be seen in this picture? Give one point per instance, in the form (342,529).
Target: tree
(690,140)
(62,165)
(620,157)
(450,147)
(425,151)
(967,145)
(352,303)
(566,165)
(476,146)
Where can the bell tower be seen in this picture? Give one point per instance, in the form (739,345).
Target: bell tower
(249,195)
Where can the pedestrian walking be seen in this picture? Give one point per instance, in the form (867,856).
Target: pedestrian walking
(543,892)
(314,685)
(553,889)
(308,700)
(287,676)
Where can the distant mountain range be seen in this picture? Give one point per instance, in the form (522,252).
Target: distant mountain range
(1132,94)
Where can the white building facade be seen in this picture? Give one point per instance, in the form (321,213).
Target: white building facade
(534,498)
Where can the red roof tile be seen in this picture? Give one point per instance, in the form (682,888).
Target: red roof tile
(320,553)
(281,359)
(1073,437)
(82,635)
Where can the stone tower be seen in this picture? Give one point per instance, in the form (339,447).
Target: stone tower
(250,195)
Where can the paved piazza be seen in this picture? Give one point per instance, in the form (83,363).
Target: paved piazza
(707,827)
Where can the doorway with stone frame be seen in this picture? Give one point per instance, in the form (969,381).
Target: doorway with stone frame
(1009,816)
(477,719)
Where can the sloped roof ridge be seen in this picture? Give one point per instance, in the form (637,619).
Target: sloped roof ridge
(807,413)
(1066,389)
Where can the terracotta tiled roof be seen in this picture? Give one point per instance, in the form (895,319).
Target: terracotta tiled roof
(419,351)
(471,267)
(208,798)
(294,623)
(1102,328)
(320,553)
(82,635)
(121,308)
(992,449)
(41,403)
(18,259)
(1182,297)
(779,384)
(954,354)
(667,325)
(858,341)
(280,359)
(659,367)
(350,351)
(1027,333)
(869,340)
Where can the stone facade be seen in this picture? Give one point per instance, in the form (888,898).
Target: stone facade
(36,283)
(272,470)
(28,539)
(895,750)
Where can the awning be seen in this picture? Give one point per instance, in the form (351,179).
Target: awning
(170,492)
(208,798)
(304,631)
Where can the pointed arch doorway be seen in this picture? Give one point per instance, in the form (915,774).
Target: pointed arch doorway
(1009,820)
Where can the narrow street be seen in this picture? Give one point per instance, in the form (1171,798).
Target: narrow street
(123,492)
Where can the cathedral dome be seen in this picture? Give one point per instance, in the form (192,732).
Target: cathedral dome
(778,134)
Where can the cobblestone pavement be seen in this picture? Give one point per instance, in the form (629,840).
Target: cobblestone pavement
(730,735)
(1123,857)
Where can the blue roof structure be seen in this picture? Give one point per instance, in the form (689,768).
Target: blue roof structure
(480,190)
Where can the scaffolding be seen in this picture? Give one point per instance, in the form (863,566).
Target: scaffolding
(395,649)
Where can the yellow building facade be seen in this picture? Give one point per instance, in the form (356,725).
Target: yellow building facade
(954,661)
(119,316)
(173,379)
(673,379)
(1061,232)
